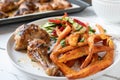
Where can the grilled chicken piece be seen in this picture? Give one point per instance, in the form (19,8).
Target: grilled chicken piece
(60,4)
(37,50)
(26,33)
(39,1)
(45,7)
(3,15)
(26,7)
(44,1)
(8,5)
(55,5)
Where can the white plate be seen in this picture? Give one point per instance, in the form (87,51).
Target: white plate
(36,72)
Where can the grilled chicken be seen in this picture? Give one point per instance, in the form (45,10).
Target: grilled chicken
(44,1)
(37,42)
(60,4)
(26,33)
(3,15)
(45,7)
(8,5)
(26,7)
(37,50)
(39,1)
(55,5)
(21,7)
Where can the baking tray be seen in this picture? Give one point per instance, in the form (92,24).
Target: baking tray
(78,6)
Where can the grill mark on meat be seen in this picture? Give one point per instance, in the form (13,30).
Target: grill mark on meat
(26,33)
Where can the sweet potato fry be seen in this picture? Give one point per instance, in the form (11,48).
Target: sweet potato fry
(64,68)
(63,34)
(92,69)
(101,30)
(66,49)
(80,44)
(94,59)
(58,32)
(73,39)
(90,51)
(95,67)
(91,41)
(80,52)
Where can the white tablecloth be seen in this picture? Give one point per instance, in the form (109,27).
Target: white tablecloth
(9,72)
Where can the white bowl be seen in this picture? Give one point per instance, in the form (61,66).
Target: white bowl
(108,10)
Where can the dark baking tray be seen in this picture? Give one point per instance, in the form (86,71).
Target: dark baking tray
(78,6)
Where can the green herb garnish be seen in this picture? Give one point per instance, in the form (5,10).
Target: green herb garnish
(82,39)
(63,44)
(91,31)
(77,27)
(105,30)
(53,38)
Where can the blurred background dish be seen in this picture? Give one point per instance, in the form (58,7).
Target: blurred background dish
(12,11)
(108,10)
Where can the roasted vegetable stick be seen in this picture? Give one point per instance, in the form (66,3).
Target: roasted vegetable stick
(73,39)
(65,49)
(63,34)
(101,30)
(92,69)
(58,32)
(80,44)
(64,68)
(90,51)
(94,58)
(91,42)
(95,67)
(80,52)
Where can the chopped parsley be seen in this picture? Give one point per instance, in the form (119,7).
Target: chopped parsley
(77,27)
(63,44)
(105,30)
(82,39)
(91,31)
(53,38)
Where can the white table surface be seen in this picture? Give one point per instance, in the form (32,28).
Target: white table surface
(9,72)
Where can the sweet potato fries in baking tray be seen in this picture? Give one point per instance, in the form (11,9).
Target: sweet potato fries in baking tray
(79,50)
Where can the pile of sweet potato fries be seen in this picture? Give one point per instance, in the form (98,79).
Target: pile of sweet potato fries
(78,44)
